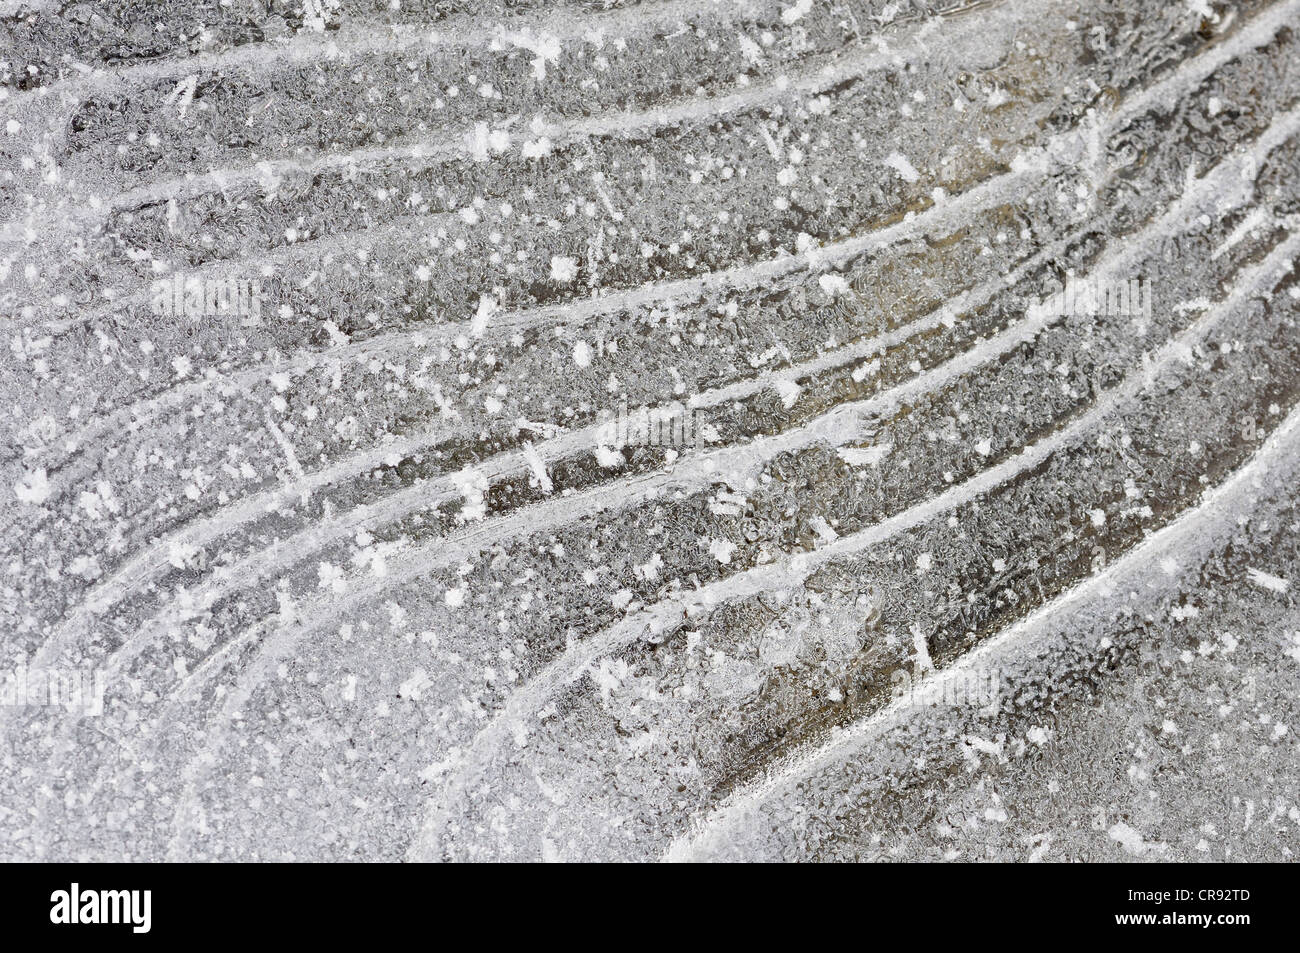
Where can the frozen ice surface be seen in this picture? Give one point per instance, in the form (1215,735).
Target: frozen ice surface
(674,429)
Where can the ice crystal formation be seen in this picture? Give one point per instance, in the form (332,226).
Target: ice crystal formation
(649,429)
